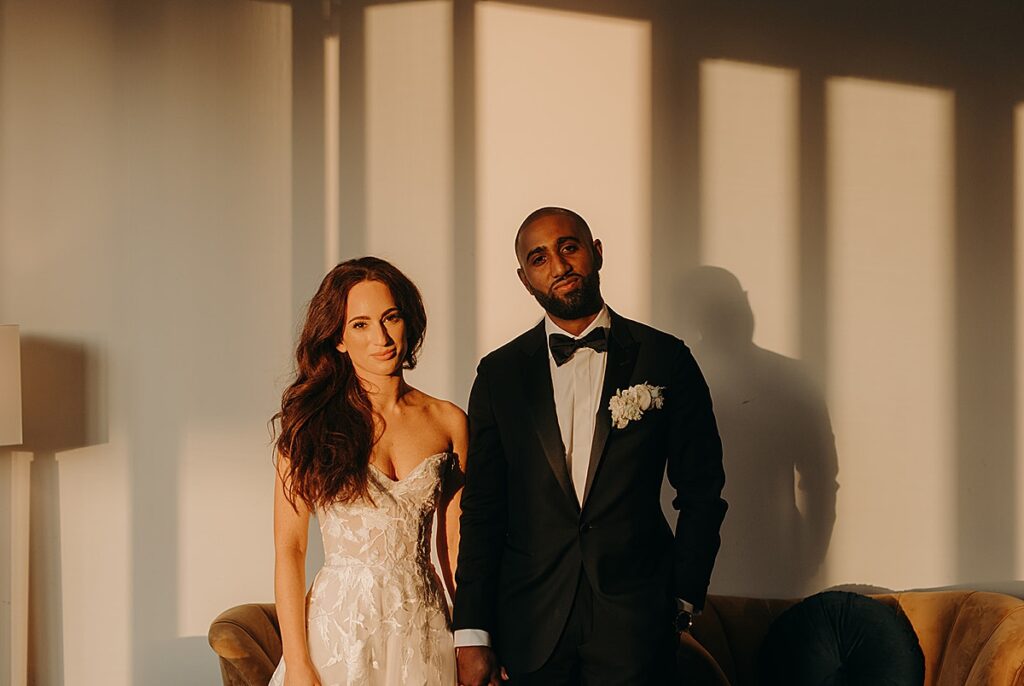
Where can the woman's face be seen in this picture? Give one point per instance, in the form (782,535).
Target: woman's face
(374,333)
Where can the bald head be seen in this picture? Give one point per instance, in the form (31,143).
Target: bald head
(580,223)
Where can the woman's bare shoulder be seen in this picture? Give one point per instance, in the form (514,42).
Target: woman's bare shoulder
(443,409)
(444,412)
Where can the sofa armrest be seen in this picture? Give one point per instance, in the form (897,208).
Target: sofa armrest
(247,638)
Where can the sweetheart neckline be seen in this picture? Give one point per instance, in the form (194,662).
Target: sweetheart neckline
(411,471)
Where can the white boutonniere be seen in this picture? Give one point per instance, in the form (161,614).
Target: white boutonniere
(630,404)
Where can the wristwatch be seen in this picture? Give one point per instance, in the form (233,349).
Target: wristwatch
(684,620)
(684,616)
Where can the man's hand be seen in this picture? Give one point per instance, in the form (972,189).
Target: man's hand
(478,666)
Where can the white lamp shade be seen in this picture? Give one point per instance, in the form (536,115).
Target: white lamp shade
(10,385)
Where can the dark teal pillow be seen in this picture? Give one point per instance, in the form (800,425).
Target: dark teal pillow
(841,638)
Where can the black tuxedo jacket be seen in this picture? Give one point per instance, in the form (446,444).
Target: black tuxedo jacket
(524,536)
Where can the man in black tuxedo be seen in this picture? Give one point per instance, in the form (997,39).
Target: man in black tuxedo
(568,572)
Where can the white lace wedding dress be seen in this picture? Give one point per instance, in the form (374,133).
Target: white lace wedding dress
(376,613)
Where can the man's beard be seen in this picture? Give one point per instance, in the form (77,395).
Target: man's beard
(576,304)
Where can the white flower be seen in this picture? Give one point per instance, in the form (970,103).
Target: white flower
(657,399)
(628,405)
(644,397)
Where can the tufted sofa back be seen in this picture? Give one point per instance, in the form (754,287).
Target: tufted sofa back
(969,638)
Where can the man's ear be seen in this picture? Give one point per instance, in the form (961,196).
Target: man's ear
(522,279)
(598,253)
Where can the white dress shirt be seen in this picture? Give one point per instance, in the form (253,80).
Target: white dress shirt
(577,386)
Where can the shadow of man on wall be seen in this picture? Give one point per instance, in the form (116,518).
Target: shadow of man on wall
(779,450)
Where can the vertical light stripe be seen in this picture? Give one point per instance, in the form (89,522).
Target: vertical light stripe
(749,190)
(20,485)
(199,448)
(84,473)
(891,217)
(563,107)
(332,122)
(1018,213)
(10,385)
(409,165)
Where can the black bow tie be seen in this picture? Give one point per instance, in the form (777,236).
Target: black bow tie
(564,347)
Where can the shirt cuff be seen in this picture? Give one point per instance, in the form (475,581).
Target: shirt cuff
(464,638)
(685,606)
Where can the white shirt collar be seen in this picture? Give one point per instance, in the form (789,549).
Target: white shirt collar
(603,318)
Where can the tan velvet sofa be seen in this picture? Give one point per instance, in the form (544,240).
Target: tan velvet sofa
(969,638)
(247,639)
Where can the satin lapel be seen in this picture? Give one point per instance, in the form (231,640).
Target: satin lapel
(622,354)
(540,397)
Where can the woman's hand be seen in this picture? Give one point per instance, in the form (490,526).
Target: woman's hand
(302,674)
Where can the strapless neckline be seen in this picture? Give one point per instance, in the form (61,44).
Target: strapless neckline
(411,471)
(376,613)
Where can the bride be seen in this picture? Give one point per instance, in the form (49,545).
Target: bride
(374,459)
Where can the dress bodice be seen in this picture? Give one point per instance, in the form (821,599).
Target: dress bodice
(392,532)
(376,613)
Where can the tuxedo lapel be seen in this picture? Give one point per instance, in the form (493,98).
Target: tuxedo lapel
(622,354)
(540,399)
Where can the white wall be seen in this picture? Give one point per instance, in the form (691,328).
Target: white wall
(891,392)
(155,255)
(145,244)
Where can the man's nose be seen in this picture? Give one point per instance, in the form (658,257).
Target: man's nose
(562,266)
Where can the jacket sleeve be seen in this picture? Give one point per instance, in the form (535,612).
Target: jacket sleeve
(484,515)
(695,473)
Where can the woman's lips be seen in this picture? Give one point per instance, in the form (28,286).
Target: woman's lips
(386,355)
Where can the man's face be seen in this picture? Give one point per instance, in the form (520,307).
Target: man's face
(559,265)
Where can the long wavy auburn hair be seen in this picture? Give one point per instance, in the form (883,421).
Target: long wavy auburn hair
(326,421)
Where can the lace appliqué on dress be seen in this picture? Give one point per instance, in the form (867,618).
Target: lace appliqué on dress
(377,614)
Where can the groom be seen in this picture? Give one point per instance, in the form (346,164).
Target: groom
(568,572)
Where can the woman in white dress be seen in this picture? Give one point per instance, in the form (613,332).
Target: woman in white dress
(374,459)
